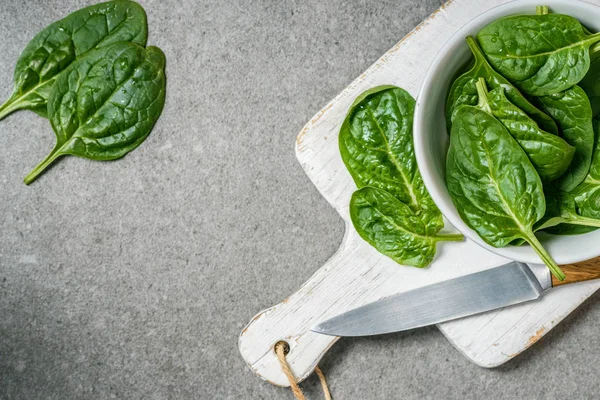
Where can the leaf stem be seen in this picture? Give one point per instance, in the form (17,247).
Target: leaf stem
(550,223)
(550,263)
(482,93)
(593,38)
(541,10)
(475,49)
(9,106)
(453,237)
(584,221)
(574,220)
(42,166)
(594,50)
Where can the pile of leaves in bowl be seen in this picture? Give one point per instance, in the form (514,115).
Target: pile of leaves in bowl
(523,120)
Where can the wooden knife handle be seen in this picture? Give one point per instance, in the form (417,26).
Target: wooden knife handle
(579,272)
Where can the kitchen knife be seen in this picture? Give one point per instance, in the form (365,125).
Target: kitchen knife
(499,287)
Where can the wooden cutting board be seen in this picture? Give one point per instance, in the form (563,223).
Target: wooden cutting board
(357,274)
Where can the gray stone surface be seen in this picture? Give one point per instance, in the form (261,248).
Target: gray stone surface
(132,279)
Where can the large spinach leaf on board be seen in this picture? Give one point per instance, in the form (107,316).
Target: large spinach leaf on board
(464,92)
(393,228)
(376,145)
(492,183)
(550,154)
(572,112)
(105,104)
(58,45)
(540,54)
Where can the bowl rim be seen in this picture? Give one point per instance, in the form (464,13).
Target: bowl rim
(421,143)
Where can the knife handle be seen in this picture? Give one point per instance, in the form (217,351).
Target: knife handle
(579,272)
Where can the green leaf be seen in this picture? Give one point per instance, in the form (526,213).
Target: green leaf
(587,198)
(591,84)
(577,211)
(572,112)
(562,218)
(61,43)
(464,92)
(376,144)
(105,104)
(393,228)
(549,154)
(540,54)
(492,183)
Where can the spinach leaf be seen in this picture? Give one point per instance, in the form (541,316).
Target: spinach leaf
(566,229)
(376,145)
(393,228)
(540,54)
(562,217)
(58,45)
(587,194)
(492,183)
(587,200)
(580,206)
(572,112)
(105,104)
(549,154)
(591,83)
(464,92)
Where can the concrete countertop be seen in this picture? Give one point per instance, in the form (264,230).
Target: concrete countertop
(132,279)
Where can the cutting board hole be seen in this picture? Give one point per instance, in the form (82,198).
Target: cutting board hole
(286,347)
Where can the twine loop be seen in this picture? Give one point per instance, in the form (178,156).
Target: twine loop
(282,349)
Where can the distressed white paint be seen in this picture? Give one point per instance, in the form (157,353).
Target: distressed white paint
(358,274)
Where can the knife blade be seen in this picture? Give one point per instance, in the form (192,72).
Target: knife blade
(499,287)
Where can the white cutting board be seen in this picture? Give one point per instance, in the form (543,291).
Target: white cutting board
(357,274)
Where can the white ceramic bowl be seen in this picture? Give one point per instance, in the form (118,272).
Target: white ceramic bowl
(431,139)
